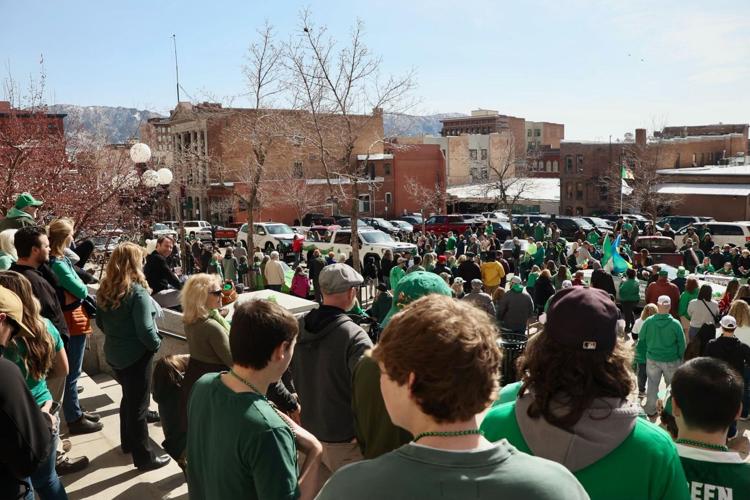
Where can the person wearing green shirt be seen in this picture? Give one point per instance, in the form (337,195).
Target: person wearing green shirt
(595,432)
(706,400)
(662,342)
(448,456)
(706,267)
(397,272)
(450,243)
(690,293)
(539,231)
(238,445)
(126,315)
(726,270)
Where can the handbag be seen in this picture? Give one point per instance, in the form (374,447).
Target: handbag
(697,344)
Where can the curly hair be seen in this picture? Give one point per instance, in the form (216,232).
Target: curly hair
(125,268)
(555,374)
(40,350)
(428,336)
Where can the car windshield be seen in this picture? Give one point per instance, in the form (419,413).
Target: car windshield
(598,221)
(376,237)
(384,223)
(279,229)
(657,245)
(583,223)
(160,227)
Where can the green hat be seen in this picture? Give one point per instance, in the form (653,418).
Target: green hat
(663,272)
(681,272)
(413,286)
(26,200)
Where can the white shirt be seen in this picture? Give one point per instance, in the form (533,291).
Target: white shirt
(702,312)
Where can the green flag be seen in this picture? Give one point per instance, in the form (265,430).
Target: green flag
(606,249)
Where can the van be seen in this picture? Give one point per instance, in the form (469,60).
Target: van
(723,233)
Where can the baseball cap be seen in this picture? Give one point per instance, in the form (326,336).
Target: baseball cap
(515,280)
(459,280)
(337,278)
(728,322)
(415,285)
(583,318)
(681,272)
(566,284)
(442,259)
(11,305)
(26,200)
(664,300)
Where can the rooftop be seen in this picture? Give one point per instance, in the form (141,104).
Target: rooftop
(531,188)
(709,170)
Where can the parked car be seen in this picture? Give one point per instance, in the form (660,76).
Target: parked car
(679,221)
(507,248)
(347,222)
(224,235)
(601,224)
(373,244)
(158,230)
(520,219)
(198,229)
(662,249)
(474,219)
(499,216)
(568,226)
(722,233)
(313,219)
(414,220)
(403,226)
(502,230)
(268,236)
(381,224)
(442,224)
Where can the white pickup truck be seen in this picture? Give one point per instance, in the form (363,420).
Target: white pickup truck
(373,243)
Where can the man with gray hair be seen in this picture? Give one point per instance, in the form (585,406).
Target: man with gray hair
(480,299)
(328,348)
(274,273)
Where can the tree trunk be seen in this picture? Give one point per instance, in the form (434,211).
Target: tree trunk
(355,229)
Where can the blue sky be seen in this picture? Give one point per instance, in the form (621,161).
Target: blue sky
(600,67)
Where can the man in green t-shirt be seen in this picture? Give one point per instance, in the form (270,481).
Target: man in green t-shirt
(573,407)
(450,243)
(706,400)
(238,445)
(449,457)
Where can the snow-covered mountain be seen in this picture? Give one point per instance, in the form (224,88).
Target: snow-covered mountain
(413,124)
(111,124)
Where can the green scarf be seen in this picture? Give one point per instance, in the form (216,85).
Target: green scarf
(518,288)
(216,316)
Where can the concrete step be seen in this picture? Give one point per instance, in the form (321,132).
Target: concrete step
(111,474)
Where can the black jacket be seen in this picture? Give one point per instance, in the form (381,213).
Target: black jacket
(316,265)
(543,290)
(468,270)
(25,434)
(731,350)
(44,285)
(328,348)
(158,274)
(602,280)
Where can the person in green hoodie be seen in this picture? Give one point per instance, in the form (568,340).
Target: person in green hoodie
(22,214)
(539,231)
(630,295)
(573,407)
(662,341)
(690,293)
(397,272)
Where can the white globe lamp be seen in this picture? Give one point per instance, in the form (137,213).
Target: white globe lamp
(150,178)
(164,176)
(140,153)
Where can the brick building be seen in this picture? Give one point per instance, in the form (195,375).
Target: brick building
(590,171)
(209,148)
(544,134)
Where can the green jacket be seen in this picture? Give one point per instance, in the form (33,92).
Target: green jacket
(130,330)
(661,339)
(397,272)
(630,291)
(685,298)
(6,260)
(68,279)
(16,219)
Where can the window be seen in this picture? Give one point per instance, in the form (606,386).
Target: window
(694,158)
(443,150)
(568,164)
(371,170)
(387,169)
(568,210)
(364,202)
(548,166)
(484,154)
(579,164)
(579,190)
(555,166)
(569,190)
(299,172)
(388,199)
(343,238)
(725,230)
(579,210)
(528,133)
(473,154)
(540,165)
(537,132)
(603,192)
(260,230)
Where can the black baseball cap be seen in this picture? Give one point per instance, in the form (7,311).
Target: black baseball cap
(583,318)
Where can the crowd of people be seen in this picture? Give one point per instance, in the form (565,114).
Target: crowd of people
(266,405)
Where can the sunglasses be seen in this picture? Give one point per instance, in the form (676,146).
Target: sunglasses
(215,293)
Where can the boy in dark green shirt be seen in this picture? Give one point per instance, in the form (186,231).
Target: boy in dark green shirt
(706,400)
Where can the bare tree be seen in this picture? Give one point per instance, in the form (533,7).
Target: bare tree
(431,198)
(336,84)
(508,180)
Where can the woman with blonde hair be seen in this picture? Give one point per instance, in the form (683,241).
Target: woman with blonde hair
(74,291)
(206,330)
(38,358)
(7,249)
(126,315)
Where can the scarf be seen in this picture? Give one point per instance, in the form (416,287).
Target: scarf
(216,316)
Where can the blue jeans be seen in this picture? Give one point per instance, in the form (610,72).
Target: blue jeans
(45,481)
(71,407)
(654,372)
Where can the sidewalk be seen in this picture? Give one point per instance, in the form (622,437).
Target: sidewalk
(111,473)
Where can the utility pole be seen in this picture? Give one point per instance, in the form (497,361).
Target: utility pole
(176,68)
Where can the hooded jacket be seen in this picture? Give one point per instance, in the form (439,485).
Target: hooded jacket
(16,219)
(515,309)
(328,348)
(661,339)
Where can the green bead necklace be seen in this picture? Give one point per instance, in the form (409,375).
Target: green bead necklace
(255,389)
(699,444)
(467,432)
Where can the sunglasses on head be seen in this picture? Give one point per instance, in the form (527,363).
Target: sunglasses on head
(216,293)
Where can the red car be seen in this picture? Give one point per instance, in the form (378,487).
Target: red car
(224,235)
(442,224)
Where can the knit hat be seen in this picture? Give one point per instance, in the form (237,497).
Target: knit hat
(413,286)
(26,200)
(583,318)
